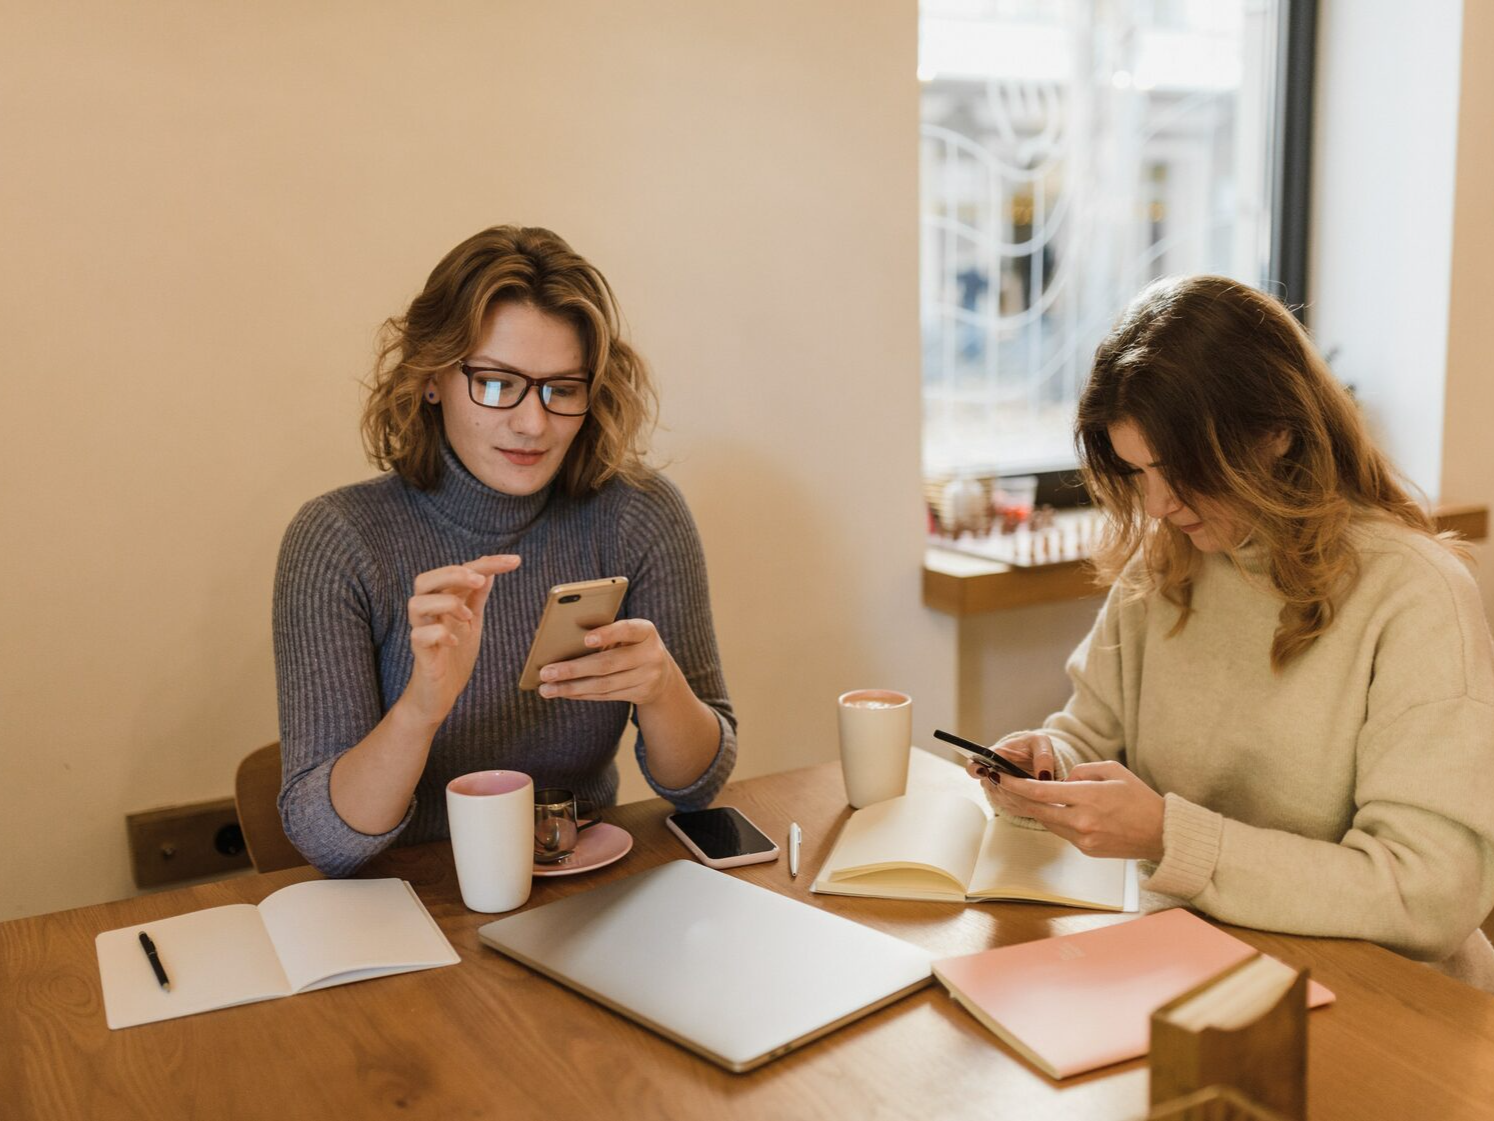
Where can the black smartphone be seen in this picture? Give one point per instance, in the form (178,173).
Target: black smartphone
(722,837)
(982,755)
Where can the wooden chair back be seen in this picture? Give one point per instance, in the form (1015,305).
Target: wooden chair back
(256,786)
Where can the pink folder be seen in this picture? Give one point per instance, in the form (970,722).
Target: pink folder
(1081,1001)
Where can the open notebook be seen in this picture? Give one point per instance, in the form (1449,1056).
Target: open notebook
(307,936)
(945,847)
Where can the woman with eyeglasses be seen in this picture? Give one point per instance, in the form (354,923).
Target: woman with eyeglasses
(1286,704)
(511,418)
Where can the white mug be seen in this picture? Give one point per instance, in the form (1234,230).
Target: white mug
(876,734)
(492,838)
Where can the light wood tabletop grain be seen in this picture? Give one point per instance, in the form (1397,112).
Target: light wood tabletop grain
(489,1038)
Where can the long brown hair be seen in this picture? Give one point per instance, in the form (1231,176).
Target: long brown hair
(402,432)
(1213,373)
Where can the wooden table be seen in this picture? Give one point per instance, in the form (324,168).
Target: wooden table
(488,1038)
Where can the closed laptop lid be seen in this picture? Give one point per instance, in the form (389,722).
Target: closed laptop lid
(734,972)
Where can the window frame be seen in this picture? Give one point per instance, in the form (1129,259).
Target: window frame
(1291,202)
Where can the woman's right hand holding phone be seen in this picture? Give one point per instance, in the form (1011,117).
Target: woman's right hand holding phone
(1032,751)
(445,616)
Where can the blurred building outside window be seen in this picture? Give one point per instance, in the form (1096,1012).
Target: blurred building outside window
(1072,151)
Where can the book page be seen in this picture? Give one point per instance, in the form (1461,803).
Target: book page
(896,883)
(1020,863)
(937,833)
(213,958)
(1238,998)
(331,932)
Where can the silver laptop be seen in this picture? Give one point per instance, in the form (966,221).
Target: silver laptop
(735,972)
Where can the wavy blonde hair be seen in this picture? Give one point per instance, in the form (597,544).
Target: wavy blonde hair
(402,431)
(1213,373)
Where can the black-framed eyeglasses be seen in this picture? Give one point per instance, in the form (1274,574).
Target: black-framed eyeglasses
(564,395)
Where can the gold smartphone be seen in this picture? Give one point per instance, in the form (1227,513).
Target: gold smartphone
(570,611)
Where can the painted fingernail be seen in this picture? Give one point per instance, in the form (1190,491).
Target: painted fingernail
(1045,776)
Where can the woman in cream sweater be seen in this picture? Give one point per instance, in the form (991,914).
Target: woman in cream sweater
(1286,704)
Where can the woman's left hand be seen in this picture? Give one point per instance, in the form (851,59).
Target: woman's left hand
(1101,808)
(631,664)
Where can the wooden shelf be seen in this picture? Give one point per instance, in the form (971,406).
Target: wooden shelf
(1471,521)
(957,584)
(961,585)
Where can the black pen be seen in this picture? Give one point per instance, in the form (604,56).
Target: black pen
(155,963)
(981,755)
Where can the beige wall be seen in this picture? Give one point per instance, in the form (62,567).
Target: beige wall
(1011,665)
(1403,235)
(1384,171)
(1468,432)
(207,209)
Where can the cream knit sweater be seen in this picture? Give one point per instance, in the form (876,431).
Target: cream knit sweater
(1350,795)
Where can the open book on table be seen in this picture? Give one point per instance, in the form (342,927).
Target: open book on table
(307,936)
(946,847)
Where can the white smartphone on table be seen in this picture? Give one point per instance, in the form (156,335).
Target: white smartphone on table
(722,837)
(570,611)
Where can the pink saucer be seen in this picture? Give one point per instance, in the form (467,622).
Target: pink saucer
(599,846)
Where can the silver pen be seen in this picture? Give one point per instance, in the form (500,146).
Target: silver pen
(795,836)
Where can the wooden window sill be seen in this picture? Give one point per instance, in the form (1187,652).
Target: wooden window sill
(957,584)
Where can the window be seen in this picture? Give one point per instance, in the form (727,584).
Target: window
(1071,152)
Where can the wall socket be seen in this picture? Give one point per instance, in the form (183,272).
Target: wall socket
(185,842)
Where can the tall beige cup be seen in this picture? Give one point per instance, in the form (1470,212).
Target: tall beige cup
(876,734)
(492,838)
